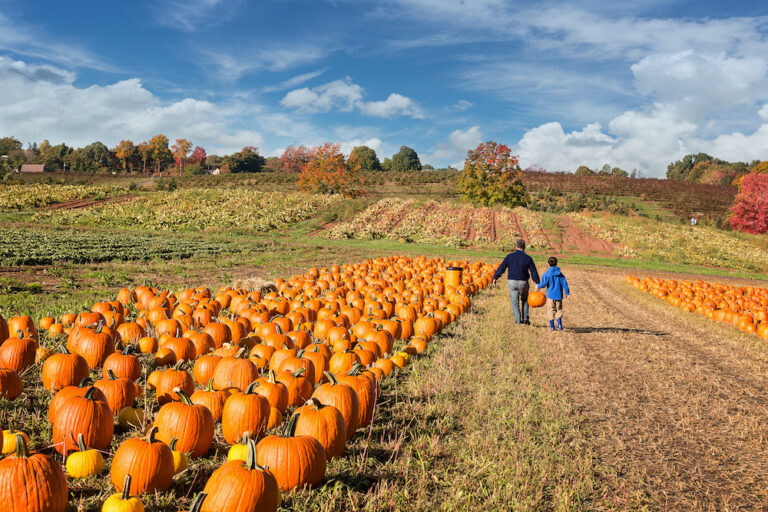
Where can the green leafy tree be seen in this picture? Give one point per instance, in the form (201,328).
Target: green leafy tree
(247,160)
(492,176)
(583,170)
(386,164)
(8,144)
(365,158)
(405,160)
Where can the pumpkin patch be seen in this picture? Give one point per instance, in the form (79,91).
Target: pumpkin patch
(278,381)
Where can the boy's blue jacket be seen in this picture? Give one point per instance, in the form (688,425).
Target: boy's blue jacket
(555,282)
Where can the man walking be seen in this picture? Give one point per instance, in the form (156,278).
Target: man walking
(520,268)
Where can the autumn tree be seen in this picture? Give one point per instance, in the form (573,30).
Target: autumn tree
(199,155)
(491,176)
(328,172)
(180,150)
(365,158)
(124,152)
(750,210)
(158,146)
(145,152)
(8,144)
(406,160)
(295,157)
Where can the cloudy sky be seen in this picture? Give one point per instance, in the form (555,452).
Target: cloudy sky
(634,84)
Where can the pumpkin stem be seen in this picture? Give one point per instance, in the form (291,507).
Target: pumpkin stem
(355,370)
(178,364)
(173,443)
(299,353)
(331,377)
(85,382)
(19,334)
(271,377)
(183,396)
(250,458)
(89,394)
(251,387)
(151,435)
(81,443)
(241,352)
(127,350)
(22,451)
(209,387)
(126,488)
(111,374)
(299,372)
(290,428)
(99,326)
(197,504)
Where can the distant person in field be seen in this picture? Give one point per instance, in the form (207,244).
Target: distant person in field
(520,268)
(557,288)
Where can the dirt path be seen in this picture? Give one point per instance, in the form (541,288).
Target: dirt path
(675,405)
(573,240)
(86,203)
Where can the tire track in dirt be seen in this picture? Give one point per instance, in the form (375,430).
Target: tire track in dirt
(680,409)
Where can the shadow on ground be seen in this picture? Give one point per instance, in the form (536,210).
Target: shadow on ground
(585,330)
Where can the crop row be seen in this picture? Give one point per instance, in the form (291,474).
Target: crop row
(45,247)
(744,307)
(676,243)
(23,197)
(198,209)
(441,223)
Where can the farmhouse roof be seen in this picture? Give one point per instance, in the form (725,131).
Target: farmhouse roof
(32,168)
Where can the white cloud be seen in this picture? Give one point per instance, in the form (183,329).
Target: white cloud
(700,83)
(394,105)
(341,94)
(294,81)
(31,41)
(374,143)
(191,15)
(35,107)
(344,95)
(231,65)
(458,143)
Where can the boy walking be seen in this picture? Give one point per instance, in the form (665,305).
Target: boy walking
(557,288)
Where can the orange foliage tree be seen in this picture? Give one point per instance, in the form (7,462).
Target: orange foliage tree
(328,172)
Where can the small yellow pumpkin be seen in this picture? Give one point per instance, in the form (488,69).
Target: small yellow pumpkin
(180,459)
(84,463)
(123,502)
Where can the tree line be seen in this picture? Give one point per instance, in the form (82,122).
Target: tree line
(158,155)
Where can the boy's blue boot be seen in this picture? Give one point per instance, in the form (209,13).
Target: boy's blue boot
(551,325)
(559,324)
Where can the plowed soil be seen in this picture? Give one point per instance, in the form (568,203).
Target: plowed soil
(676,404)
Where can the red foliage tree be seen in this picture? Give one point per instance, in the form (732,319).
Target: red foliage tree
(750,211)
(199,155)
(327,172)
(295,157)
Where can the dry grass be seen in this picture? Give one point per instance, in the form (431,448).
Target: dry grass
(676,405)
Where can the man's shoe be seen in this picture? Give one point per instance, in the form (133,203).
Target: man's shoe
(551,325)
(527,322)
(559,324)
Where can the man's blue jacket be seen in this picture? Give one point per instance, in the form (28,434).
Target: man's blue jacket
(555,282)
(518,265)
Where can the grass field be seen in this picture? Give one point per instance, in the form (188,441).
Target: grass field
(636,406)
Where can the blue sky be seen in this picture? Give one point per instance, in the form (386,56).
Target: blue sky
(636,85)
